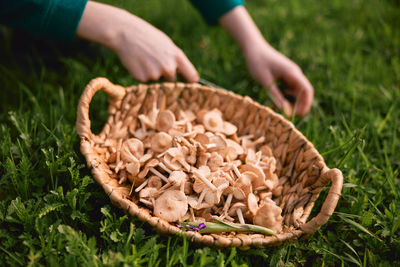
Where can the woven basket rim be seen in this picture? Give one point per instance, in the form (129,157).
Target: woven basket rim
(119,195)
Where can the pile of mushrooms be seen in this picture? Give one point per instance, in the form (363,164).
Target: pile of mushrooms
(194,167)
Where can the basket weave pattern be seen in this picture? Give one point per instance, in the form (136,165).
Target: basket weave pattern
(301,169)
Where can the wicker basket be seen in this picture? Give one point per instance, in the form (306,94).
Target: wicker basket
(301,168)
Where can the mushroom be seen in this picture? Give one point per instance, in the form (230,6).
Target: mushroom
(215,161)
(212,121)
(269,215)
(252,203)
(217,143)
(146,168)
(174,159)
(165,120)
(178,178)
(171,205)
(238,209)
(133,168)
(244,183)
(257,181)
(233,150)
(148,192)
(214,197)
(160,142)
(257,171)
(228,128)
(187,115)
(235,192)
(155,182)
(132,147)
(201,173)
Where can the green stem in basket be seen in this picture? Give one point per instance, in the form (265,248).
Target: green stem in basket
(221,227)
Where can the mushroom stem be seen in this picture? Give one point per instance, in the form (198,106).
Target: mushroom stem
(240,216)
(184,164)
(182,188)
(222,186)
(189,133)
(140,187)
(208,146)
(146,202)
(165,179)
(164,167)
(228,177)
(205,180)
(188,126)
(237,172)
(118,166)
(201,197)
(228,202)
(192,214)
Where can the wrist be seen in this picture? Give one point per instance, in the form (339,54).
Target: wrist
(102,24)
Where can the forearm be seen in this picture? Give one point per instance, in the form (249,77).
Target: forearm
(241,27)
(100,23)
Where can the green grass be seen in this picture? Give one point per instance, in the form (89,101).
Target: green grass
(53,213)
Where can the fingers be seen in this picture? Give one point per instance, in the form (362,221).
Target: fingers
(302,90)
(277,96)
(186,68)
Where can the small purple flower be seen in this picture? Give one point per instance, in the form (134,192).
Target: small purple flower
(202,226)
(191,227)
(179,225)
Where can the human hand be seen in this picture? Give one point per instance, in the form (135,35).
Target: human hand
(146,52)
(267,65)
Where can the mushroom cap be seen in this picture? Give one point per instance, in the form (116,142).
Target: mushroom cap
(193,202)
(171,163)
(237,192)
(234,207)
(177,177)
(215,161)
(148,192)
(220,144)
(252,203)
(269,215)
(244,183)
(133,167)
(228,128)
(253,168)
(200,115)
(236,148)
(257,181)
(202,138)
(165,120)
(171,205)
(198,128)
(155,182)
(134,146)
(161,141)
(269,163)
(212,121)
(145,170)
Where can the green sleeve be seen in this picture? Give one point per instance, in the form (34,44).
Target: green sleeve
(212,10)
(54,19)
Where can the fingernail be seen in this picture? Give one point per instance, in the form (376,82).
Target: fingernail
(287,108)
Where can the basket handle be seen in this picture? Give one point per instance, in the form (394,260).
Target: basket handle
(336,177)
(115,95)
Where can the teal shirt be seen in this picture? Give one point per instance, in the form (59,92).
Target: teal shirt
(54,19)
(212,10)
(59,19)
